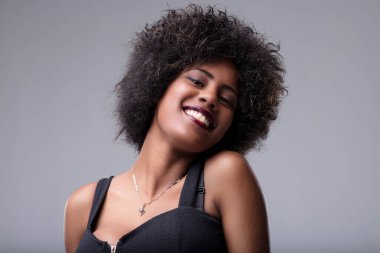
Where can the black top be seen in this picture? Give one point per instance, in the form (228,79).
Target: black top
(186,228)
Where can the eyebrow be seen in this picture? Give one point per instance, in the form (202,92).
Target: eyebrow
(211,76)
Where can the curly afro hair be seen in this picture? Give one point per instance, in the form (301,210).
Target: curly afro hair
(192,36)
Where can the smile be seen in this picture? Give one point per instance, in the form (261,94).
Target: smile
(201,116)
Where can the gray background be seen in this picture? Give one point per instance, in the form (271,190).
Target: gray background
(319,170)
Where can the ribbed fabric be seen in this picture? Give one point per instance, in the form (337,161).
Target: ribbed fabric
(184,229)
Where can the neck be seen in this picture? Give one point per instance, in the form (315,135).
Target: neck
(159,165)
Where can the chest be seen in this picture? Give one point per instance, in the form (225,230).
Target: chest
(120,213)
(183,229)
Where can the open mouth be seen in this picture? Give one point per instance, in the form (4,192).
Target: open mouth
(200,116)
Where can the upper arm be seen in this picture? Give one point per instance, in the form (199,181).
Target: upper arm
(241,204)
(77,211)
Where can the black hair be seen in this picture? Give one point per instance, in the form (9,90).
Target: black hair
(195,35)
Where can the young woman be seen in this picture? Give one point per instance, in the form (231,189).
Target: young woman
(200,90)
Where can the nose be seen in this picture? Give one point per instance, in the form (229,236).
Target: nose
(209,98)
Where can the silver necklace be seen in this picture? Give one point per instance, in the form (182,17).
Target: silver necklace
(144,204)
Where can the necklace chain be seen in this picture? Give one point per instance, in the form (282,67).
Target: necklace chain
(145,204)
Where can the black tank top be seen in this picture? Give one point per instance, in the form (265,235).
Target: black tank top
(186,228)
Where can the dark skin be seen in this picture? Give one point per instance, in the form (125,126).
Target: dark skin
(172,143)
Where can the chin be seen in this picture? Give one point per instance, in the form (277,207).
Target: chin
(196,145)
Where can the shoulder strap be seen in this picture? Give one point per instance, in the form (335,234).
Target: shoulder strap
(99,196)
(193,189)
(200,193)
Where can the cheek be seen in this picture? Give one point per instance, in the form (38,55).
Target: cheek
(228,120)
(164,112)
(225,124)
(176,93)
(169,110)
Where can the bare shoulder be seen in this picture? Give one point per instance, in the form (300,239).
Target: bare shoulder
(228,162)
(77,211)
(228,173)
(230,169)
(239,201)
(81,199)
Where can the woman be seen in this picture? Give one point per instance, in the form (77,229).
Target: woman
(201,90)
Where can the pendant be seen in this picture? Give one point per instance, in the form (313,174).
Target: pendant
(141,209)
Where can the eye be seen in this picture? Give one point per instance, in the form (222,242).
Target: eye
(196,82)
(226,101)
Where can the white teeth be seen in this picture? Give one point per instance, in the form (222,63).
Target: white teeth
(197,115)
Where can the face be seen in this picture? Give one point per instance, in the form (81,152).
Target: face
(198,107)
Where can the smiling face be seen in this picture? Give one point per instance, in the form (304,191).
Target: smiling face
(198,107)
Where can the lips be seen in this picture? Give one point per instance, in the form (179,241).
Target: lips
(200,116)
